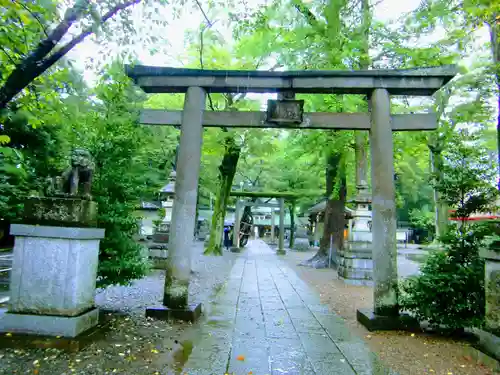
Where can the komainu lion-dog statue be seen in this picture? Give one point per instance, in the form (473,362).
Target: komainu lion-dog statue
(76,181)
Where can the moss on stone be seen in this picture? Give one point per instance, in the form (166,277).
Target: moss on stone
(61,212)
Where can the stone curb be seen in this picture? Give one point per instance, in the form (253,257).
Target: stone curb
(56,232)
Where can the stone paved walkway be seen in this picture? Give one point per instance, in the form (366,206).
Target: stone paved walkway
(268,321)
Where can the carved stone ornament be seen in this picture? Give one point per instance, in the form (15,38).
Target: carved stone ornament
(76,181)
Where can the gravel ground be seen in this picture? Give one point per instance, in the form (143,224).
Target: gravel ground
(133,344)
(405,353)
(208,272)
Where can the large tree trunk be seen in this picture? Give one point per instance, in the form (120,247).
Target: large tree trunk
(334,218)
(227,170)
(292,225)
(495,49)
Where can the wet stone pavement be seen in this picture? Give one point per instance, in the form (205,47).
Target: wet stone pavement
(268,321)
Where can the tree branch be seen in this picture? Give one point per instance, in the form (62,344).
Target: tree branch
(204,14)
(37,62)
(7,54)
(203,29)
(52,59)
(35,16)
(309,16)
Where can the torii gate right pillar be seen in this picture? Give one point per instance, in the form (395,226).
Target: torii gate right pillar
(385,313)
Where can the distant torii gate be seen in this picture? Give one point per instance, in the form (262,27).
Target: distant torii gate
(378,85)
(281,196)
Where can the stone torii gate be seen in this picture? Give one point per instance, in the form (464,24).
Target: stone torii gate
(378,85)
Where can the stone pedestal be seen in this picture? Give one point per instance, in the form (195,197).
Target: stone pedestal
(356,263)
(54,273)
(492,289)
(158,252)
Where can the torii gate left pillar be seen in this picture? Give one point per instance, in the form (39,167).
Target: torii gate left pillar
(180,245)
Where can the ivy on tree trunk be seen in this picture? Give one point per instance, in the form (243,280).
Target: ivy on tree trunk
(227,170)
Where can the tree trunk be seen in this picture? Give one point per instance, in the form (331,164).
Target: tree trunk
(292,225)
(227,170)
(440,208)
(334,218)
(495,49)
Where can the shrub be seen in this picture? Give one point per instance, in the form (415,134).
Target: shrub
(449,292)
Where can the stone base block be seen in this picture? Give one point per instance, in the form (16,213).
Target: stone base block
(158,263)
(492,289)
(353,278)
(49,325)
(362,236)
(373,322)
(235,249)
(158,253)
(60,212)
(281,251)
(161,237)
(189,314)
(53,270)
(356,264)
(488,343)
(68,344)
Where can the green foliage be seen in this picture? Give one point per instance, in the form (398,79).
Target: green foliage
(449,292)
(12,183)
(422,219)
(116,140)
(467,180)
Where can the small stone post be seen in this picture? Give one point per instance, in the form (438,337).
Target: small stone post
(281,245)
(178,270)
(492,289)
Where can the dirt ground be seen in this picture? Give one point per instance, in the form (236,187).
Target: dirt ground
(406,353)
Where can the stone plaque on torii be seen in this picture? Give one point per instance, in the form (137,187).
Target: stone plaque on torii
(377,85)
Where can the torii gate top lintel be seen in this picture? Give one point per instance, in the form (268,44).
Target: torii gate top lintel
(418,81)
